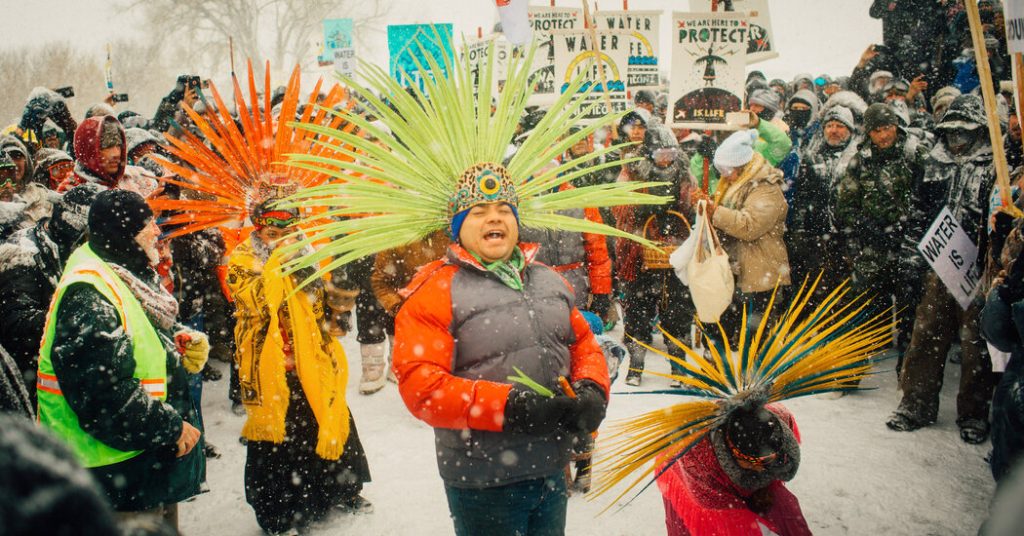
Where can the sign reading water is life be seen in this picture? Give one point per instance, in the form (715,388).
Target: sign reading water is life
(1013,11)
(950,252)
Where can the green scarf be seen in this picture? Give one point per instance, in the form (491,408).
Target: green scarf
(510,272)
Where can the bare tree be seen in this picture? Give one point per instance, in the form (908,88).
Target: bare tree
(284,31)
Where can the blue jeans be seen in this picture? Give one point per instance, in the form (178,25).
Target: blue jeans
(529,508)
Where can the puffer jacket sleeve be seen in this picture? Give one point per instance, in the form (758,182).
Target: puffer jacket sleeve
(997,324)
(21,326)
(760,213)
(586,358)
(599,264)
(93,358)
(423,357)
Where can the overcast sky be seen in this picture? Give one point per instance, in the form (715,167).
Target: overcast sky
(816,36)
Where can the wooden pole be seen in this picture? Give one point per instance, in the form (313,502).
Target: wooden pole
(988,92)
(1018,63)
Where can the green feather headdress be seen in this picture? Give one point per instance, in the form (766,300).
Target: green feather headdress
(396,190)
(807,351)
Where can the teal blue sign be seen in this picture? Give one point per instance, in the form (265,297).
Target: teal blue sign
(410,43)
(337,34)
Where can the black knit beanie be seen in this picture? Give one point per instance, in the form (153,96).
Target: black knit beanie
(115,218)
(754,432)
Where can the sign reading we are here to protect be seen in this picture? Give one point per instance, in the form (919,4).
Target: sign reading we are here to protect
(950,252)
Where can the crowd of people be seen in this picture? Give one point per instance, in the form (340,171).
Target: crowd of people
(108,323)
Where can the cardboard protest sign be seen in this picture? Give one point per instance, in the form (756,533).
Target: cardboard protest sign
(576,52)
(345,61)
(708,64)
(409,44)
(643,44)
(761,43)
(950,252)
(337,34)
(544,20)
(477,51)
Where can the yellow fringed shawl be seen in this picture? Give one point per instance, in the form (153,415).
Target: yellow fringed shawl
(259,293)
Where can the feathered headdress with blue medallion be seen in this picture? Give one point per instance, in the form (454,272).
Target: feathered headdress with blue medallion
(437,151)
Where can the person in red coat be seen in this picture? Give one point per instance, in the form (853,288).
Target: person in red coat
(731,482)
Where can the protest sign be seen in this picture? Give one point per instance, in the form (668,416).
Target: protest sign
(477,51)
(1013,12)
(515,24)
(761,43)
(576,52)
(950,252)
(337,34)
(708,63)
(409,44)
(544,20)
(643,44)
(345,61)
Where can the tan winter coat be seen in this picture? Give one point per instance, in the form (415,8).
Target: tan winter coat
(393,269)
(751,214)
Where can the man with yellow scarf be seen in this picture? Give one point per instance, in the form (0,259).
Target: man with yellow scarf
(304,455)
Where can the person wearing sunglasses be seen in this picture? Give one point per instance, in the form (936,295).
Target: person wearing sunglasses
(8,178)
(732,481)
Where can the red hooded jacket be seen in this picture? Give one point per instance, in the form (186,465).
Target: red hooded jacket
(88,166)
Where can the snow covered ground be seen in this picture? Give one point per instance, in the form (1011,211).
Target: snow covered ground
(855,477)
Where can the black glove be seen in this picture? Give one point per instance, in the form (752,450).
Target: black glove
(600,304)
(527,412)
(589,409)
(1001,229)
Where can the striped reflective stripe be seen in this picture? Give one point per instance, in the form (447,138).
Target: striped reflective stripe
(155,387)
(48,383)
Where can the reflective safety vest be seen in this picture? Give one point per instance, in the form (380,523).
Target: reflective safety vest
(86,267)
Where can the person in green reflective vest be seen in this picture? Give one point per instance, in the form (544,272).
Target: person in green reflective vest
(112,381)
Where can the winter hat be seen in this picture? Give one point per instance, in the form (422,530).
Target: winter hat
(43,484)
(944,97)
(841,114)
(966,112)
(878,74)
(46,158)
(110,134)
(644,96)
(99,109)
(737,150)
(481,184)
(767,98)
(136,136)
(802,77)
(879,115)
(756,75)
(118,214)
(72,211)
(753,433)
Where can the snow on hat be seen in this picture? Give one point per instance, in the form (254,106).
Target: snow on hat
(767,98)
(878,74)
(138,136)
(841,114)
(879,115)
(736,150)
(73,207)
(966,112)
(945,96)
(110,134)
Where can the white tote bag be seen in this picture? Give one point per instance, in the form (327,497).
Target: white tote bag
(711,279)
(680,258)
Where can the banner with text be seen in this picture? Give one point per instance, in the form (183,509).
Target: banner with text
(409,44)
(950,252)
(337,34)
(761,42)
(643,44)
(708,64)
(576,53)
(544,20)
